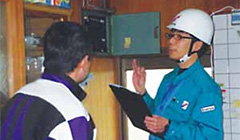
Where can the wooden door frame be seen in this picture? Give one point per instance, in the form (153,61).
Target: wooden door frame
(15,44)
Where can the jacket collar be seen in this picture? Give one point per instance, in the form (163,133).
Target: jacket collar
(187,73)
(67,81)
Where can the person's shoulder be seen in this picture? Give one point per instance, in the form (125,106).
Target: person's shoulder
(58,95)
(208,84)
(171,74)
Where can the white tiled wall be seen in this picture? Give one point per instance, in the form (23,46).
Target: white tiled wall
(234,50)
(227,72)
(221,51)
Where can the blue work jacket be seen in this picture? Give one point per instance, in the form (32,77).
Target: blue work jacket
(192,101)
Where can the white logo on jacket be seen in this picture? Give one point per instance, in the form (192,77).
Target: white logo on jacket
(208,108)
(184,105)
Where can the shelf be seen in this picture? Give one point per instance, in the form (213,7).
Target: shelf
(40,10)
(34,51)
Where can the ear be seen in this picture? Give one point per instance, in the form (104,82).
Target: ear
(197,46)
(83,63)
(79,72)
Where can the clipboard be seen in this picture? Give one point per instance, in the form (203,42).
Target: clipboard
(133,105)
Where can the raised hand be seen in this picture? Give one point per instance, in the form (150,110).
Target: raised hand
(139,77)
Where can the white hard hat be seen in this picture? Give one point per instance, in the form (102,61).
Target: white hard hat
(195,22)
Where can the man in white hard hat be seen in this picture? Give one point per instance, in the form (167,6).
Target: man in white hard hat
(188,104)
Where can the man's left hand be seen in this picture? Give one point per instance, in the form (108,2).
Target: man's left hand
(156,124)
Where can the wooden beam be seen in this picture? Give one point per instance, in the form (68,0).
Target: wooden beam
(48,9)
(15,45)
(4,0)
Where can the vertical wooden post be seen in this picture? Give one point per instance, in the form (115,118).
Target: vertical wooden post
(15,45)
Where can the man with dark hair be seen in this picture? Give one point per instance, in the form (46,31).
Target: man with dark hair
(188,103)
(50,108)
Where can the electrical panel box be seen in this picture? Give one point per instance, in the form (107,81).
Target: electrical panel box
(135,34)
(127,34)
(97,25)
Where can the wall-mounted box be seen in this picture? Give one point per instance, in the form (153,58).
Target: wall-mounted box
(97,25)
(127,34)
(135,34)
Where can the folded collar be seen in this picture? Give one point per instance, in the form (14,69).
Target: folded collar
(67,81)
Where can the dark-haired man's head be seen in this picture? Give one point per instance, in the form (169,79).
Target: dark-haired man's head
(65,46)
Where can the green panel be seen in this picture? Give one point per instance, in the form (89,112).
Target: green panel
(135,34)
